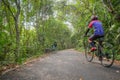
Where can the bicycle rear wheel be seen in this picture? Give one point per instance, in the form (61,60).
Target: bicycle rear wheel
(88,54)
(107,55)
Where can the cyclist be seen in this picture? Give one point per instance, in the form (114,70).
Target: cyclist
(98,31)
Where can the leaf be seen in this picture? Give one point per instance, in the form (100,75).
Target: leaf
(81,78)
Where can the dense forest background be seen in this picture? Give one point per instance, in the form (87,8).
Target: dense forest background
(28,27)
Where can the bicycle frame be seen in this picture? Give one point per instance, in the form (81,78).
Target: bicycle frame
(103,53)
(98,44)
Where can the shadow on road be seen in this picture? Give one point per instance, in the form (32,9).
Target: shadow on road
(115,68)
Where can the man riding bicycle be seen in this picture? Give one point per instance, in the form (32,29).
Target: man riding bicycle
(98,31)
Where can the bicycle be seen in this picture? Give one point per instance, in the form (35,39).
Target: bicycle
(104,52)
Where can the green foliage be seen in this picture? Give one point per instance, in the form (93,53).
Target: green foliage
(118,57)
(80,15)
(37,29)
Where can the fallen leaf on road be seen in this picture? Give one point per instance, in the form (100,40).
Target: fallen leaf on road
(83,63)
(81,79)
(117,71)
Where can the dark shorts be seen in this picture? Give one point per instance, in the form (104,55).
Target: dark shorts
(94,37)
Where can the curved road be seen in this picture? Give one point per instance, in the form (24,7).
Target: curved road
(63,65)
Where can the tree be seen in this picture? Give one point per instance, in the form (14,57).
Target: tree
(15,16)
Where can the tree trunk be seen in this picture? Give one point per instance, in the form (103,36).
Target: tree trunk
(16,19)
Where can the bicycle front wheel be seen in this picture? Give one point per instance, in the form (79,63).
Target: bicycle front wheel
(88,54)
(107,55)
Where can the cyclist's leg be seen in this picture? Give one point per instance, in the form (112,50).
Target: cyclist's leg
(94,37)
(101,40)
(91,41)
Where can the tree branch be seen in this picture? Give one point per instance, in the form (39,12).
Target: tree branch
(17,2)
(8,6)
(109,6)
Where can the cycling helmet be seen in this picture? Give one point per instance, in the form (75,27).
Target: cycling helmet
(94,17)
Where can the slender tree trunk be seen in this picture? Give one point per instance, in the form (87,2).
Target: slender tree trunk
(17,28)
(16,19)
(17,39)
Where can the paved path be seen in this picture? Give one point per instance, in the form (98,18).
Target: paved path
(63,65)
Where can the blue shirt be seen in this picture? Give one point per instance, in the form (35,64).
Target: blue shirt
(98,28)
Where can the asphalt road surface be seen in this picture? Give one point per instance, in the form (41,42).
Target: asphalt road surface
(64,65)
